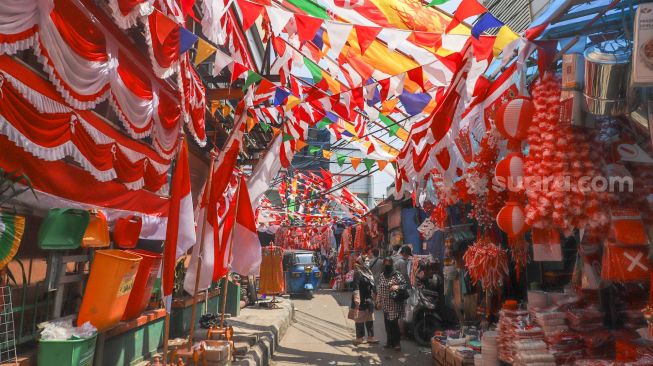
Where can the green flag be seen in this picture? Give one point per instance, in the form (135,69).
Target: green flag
(390,124)
(341,159)
(264,126)
(311,8)
(437,2)
(287,137)
(323,123)
(369,163)
(313,150)
(252,78)
(316,72)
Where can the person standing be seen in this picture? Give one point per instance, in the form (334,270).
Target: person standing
(404,263)
(376,264)
(362,302)
(391,282)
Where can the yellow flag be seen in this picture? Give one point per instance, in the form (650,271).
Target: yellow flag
(275,131)
(504,37)
(327,154)
(214,106)
(291,102)
(204,50)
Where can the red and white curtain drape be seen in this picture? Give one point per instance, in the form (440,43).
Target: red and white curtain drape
(86,68)
(36,118)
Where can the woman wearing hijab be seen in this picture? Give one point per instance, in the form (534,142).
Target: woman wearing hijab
(362,302)
(390,282)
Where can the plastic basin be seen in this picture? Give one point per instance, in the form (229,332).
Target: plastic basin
(72,352)
(144,282)
(109,285)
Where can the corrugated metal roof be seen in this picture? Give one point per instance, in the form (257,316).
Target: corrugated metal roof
(514,13)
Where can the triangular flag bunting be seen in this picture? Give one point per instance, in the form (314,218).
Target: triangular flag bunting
(186,40)
(275,130)
(237,71)
(314,69)
(382,164)
(417,76)
(204,51)
(264,126)
(278,19)
(437,2)
(327,154)
(313,150)
(250,12)
(338,34)
(355,162)
(504,38)
(466,9)
(280,96)
(300,144)
(252,78)
(164,26)
(307,27)
(250,123)
(287,137)
(369,163)
(366,35)
(485,22)
(323,123)
(341,159)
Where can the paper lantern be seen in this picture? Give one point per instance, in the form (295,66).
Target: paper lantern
(511,219)
(510,170)
(513,118)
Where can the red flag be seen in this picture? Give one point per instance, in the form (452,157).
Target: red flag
(466,9)
(250,11)
(238,71)
(307,27)
(246,256)
(180,230)
(417,76)
(366,35)
(164,25)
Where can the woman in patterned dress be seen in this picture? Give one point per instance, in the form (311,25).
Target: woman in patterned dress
(390,281)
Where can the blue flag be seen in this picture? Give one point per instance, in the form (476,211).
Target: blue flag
(186,40)
(280,96)
(485,22)
(414,103)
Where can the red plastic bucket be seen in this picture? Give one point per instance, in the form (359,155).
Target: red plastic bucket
(143,283)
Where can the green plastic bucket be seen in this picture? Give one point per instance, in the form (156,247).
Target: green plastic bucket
(63,228)
(71,352)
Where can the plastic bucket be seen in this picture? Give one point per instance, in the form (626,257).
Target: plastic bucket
(109,285)
(72,352)
(146,276)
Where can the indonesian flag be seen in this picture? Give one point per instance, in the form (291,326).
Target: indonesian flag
(244,242)
(180,231)
(212,208)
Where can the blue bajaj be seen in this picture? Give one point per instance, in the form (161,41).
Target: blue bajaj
(301,272)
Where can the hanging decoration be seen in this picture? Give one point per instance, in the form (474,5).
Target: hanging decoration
(12,228)
(512,120)
(487,264)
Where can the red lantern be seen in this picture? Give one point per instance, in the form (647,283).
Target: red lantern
(513,118)
(511,171)
(512,219)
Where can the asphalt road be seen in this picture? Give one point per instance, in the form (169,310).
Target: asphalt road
(322,335)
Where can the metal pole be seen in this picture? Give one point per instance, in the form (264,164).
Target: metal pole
(201,250)
(231,244)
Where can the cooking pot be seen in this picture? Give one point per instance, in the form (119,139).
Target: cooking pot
(607,73)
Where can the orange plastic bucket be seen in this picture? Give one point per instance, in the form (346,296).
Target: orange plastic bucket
(109,285)
(147,274)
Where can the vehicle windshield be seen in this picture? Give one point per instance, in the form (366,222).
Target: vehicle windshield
(304,259)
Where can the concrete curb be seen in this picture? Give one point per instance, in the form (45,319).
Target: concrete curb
(263,335)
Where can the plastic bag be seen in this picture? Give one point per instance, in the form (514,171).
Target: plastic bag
(63,329)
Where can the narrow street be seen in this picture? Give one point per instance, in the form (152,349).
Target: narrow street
(322,335)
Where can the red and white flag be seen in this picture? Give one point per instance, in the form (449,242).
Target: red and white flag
(244,242)
(180,231)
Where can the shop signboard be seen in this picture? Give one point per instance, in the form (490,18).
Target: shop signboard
(643,46)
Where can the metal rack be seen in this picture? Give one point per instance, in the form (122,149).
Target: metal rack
(7,331)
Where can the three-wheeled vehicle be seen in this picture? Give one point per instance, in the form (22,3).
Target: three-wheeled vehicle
(301,272)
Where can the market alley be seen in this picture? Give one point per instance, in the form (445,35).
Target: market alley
(322,335)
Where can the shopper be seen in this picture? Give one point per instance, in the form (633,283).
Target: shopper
(405,263)
(362,302)
(390,287)
(376,264)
